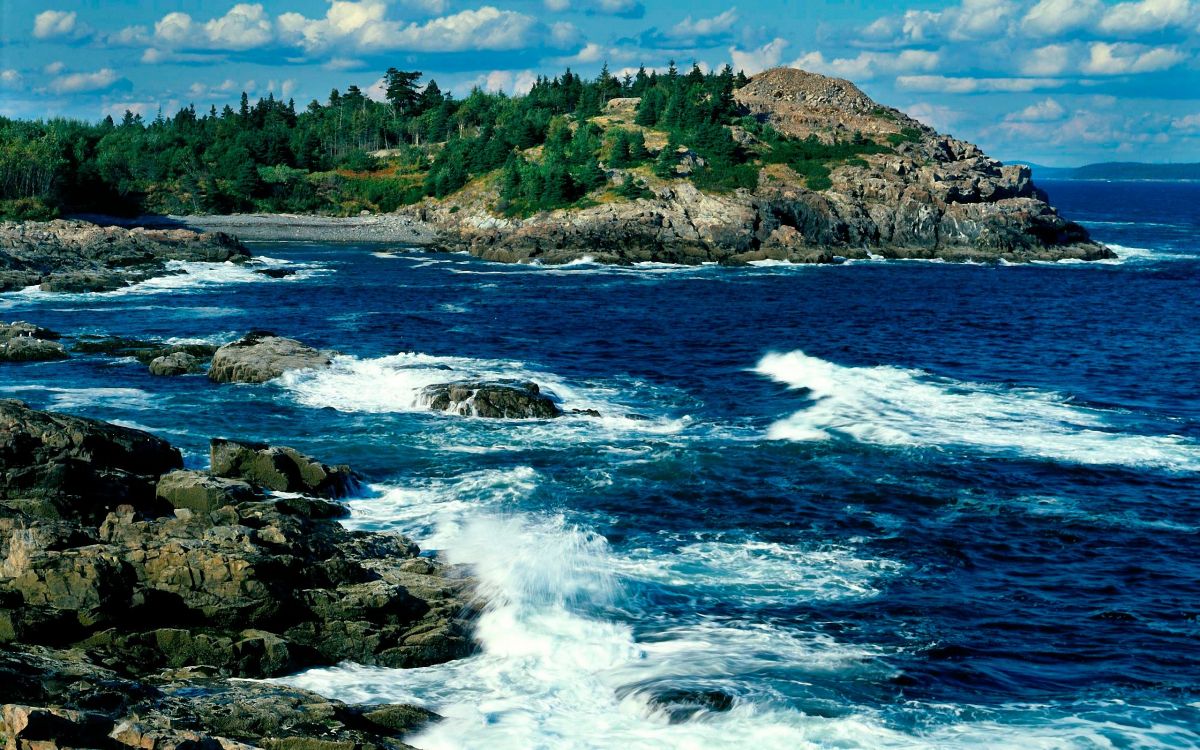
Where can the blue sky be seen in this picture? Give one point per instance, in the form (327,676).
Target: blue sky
(1061,82)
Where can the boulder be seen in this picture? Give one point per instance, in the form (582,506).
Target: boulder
(496,400)
(25,342)
(261,356)
(201,492)
(177,363)
(29,349)
(78,467)
(281,469)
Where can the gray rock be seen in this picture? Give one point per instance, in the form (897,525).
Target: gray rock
(77,467)
(77,256)
(497,400)
(25,342)
(280,468)
(261,356)
(27,349)
(201,492)
(932,196)
(178,363)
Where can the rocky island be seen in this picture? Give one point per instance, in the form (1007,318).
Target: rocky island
(914,193)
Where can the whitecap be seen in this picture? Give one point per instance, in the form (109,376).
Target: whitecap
(74,398)
(893,406)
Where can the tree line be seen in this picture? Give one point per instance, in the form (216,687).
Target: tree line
(271,156)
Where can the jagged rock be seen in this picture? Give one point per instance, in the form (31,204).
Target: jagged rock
(54,699)
(261,356)
(276,273)
(931,196)
(143,351)
(281,469)
(178,363)
(25,342)
(201,492)
(499,400)
(76,256)
(70,466)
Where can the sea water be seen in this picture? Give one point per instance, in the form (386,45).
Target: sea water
(882,504)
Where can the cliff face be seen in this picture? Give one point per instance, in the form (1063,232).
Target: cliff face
(933,196)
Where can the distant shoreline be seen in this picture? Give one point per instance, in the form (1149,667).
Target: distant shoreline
(390,228)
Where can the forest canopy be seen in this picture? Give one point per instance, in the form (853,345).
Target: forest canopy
(549,148)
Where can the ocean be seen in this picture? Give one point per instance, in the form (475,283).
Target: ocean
(884,504)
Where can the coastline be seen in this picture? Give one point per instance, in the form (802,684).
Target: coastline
(391,228)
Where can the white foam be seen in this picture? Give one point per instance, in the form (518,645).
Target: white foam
(761,572)
(73,398)
(398,383)
(893,406)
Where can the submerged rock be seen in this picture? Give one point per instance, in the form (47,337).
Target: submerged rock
(496,400)
(261,356)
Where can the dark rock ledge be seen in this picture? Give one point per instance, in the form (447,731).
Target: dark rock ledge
(132,589)
(76,256)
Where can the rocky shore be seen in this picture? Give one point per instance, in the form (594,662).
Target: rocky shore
(131,589)
(933,196)
(78,256)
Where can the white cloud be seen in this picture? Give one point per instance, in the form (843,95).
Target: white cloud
(363,26)
(175,29)
(757,60)
(245,26)
(1120,59)
(10,78)
(972,20)
(130,36)
(947,85)
(1145,16)
(1054,17)
(52,23)
(80,82)
(868,65)
(1187,123)
(1051,60)
(937,116)
(1047,110)
(704,27)
(54,68)
(344,63)
(557,5)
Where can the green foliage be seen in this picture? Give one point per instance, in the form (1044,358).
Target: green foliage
(267,155)
(906,135)
(633,188)
(26,209)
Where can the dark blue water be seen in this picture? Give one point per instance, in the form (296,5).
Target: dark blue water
(892,504)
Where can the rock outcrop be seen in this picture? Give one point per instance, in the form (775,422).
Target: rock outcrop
(261,356)
(175,363)
(25,342)
(76,256)
(280,469)
(161,357)
(928,196)
(130,589)
(51,700)
(498,400)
